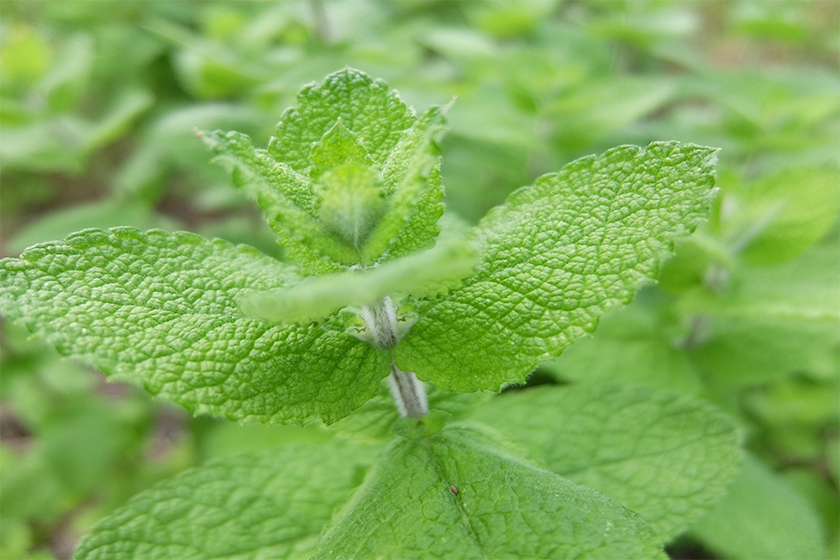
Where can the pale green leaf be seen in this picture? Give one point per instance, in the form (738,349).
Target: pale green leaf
(454,496)
(411,178)
(762,516)
(632,346)
(792,209)
(667,457)
(337,147)
(430,273)
(258,505)
(159,309)
(287,199)
(352,176)
(801,289)
(750,350)
(373,113)
(558,255)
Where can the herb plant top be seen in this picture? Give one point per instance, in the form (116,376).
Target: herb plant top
(372,289)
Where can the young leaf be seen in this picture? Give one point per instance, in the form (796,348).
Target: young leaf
(762,517)
(366,107)
(267,504)
(159,309)
(352,176)
(430,273)
(287,199)
(666,457)
(454,496)
(558,255)
(411,177)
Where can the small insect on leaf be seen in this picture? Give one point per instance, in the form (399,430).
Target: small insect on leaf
(453,490)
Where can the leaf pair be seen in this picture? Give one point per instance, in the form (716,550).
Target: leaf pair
(461,492)
(163,310)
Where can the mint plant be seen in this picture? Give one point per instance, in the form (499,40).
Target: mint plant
(377,286)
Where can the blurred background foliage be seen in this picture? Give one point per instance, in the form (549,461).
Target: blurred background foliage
(99,102)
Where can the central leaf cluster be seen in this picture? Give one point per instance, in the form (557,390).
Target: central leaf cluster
(351,177)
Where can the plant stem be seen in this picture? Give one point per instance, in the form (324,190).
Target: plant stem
(408,391)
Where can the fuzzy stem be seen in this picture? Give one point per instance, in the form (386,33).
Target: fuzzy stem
(407,390)
(409,393)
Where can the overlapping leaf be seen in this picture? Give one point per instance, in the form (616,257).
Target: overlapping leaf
(558,255)
(267,504)
(160,310)
(455,495)
(668,458)
(351,178)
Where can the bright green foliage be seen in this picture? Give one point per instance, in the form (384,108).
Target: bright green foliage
(430,273)
(159,309)
(351,186)
(556,257)
(267,504)
(503,508)
(666,457)
(350,179)
(631,347)
(762,517)
(786,213)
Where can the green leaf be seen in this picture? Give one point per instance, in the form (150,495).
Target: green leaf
(633,347)
(366,107)
(159,309)
(762,517)
(268,504)
(802,289)
(667,457)
(750,350)
(411,179)
(287,200)
(794,208)
(352,177)
(558,255)
(454,496)
(430,273)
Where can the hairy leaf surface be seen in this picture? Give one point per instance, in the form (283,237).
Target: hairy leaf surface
(159,309)
(668,458)
(352,177)
(558,255)
(454,496)
(266,504)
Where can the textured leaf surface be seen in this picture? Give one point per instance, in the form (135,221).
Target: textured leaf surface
(368,108)
(159,309)
(504,508)
(267,504)
(429,273)
(287,200)
(667,457)
(352,176)
(558,255)
(762,516)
